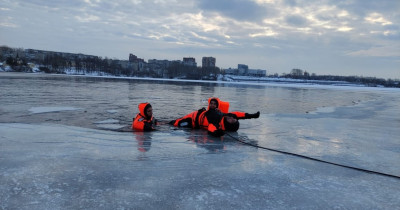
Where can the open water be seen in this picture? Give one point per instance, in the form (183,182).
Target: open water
(61,146)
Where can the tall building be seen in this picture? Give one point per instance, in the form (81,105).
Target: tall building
(189,61)
(243,69)
(134,58)
(208,62)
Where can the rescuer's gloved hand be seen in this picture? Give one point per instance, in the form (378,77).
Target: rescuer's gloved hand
(217,133)
(249,116)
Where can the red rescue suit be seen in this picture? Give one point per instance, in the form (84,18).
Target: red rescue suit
(142,122)
(223,106)
(212,120)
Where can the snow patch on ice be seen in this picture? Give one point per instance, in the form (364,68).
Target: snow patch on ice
(323,110)
(45,109)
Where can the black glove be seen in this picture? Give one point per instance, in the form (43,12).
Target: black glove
(249,116)
(217,133)
(148,126)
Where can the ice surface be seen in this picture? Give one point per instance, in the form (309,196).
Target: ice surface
(110,124)
(38,110)
(323,110)
(56,166)
(246,80)
(108,121)
(65,156)
(112,111)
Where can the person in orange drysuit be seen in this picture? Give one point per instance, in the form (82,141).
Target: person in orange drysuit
(216,119)
(144,120)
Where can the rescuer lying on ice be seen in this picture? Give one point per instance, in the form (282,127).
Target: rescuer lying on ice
(216,119)
(144,120)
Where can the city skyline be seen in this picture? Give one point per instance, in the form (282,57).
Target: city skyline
(323,37)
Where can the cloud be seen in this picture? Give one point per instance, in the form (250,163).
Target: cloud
(376,18)
(384,51)
(296,20)
(258,32)
(87,18)
(362,8)
(242,10)
(8,22)
(53,4)
(344,28)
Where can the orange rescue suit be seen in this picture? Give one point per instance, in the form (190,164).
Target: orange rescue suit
(142,122)
(211,120)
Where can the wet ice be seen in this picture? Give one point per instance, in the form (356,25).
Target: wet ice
(38,110)
(60,157)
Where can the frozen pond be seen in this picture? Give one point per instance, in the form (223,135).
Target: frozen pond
(58,150)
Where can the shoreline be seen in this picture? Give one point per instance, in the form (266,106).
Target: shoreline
(272,83)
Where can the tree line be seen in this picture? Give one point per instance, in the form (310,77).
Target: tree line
(54,62)
(57,63)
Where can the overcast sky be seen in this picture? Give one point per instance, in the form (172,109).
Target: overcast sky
(337,37)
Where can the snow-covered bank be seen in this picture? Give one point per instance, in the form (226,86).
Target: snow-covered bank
(285,80)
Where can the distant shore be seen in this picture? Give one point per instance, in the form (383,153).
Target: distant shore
(30,60)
